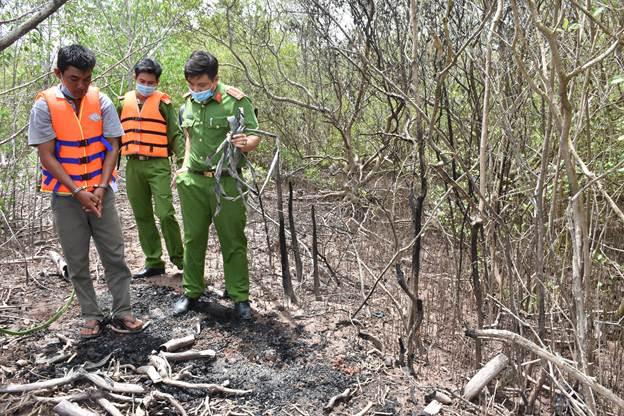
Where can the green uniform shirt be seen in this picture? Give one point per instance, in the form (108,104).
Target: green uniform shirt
(174,132)
(207,124)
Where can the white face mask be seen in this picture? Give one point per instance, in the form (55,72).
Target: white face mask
(145,90)
(202,96)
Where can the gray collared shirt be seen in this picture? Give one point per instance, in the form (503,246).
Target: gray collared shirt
(40,124)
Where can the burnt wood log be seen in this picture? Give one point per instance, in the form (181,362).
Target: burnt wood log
(178,343)
(485,375)
(60,263)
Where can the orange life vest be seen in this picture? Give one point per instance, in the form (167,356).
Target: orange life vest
(80,145)
(145,129)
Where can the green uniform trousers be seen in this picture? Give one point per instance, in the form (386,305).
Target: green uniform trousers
(146,179)
(198,201)
(75,229)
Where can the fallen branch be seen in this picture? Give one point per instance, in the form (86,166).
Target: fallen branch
(368,337)
(158,395)
(486,374)
(362,412)
(114,386)
(126,399)
(188,355)
(211,388)
(92,394)
(109,407)
(66,408)
(547,355)
(70,378)
(345,395)
(40,385)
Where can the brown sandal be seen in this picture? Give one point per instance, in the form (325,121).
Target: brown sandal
(121,326)
(98,327)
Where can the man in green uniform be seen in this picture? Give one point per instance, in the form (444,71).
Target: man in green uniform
(206,126)
(152,134)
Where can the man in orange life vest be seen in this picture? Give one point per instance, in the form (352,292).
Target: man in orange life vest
(76,131)
(152,134)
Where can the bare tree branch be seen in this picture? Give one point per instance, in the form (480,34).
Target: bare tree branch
(30,24)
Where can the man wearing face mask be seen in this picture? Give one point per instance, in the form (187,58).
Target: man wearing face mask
(205,121)
(76,131)
(152,134)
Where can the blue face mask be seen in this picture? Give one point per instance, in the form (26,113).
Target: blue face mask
(201,96)
(65,91)
(145,90)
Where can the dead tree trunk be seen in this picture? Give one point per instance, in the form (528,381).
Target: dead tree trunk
(417,205)
(286,278)
(476,284)
(294,242)
(315,257)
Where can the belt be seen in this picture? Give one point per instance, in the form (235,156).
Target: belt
(141,157)
(209,173)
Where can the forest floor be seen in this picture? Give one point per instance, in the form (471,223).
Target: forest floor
(293,359)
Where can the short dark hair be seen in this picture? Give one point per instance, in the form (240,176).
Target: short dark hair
(200,63)
(75,55)
(148,66)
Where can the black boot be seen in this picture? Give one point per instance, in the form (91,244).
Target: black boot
(243,310)
(149,272)
(183,305)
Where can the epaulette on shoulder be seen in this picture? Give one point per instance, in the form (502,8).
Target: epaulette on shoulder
(235,92)
(165,99)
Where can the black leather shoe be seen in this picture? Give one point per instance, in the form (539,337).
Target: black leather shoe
(149,272)
(183,305)
(243,310)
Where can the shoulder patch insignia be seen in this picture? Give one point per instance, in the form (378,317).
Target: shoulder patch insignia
(165,99)
(235,92)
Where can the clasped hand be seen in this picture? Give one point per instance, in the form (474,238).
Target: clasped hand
(92,202)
